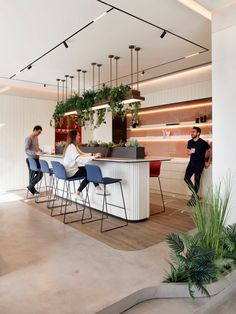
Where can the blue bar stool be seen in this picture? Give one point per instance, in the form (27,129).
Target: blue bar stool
(49,188)
(94,175)
(60,174)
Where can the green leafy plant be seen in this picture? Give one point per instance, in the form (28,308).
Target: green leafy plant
(133,143)
(191,263)
(93,143)
(118,94)
(59,147)
(210,214)
(61,144)
(101,113)
(103,95)
(134,109)
(213,237)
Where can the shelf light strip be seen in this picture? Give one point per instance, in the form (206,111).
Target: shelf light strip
(173,109)
(169,127)
(169,140)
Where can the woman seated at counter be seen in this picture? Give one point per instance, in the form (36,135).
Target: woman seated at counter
(74,161)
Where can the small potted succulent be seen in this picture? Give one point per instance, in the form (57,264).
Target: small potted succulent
(94,147)
(59,147)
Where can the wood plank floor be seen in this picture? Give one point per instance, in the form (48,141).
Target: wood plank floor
(135,236)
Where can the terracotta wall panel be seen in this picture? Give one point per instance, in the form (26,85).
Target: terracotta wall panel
(170,146)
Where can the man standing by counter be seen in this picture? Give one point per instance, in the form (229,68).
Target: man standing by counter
(33,151)
(198,150)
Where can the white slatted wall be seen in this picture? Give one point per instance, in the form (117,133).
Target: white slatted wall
(20,115)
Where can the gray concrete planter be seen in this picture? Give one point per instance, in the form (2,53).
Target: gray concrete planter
(59,150)
(128,152)
(165,291)
(116,152)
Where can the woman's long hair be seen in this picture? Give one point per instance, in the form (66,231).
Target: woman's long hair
(71,139)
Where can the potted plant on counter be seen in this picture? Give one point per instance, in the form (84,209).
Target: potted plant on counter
(131,149)
(59,147)
(97,147)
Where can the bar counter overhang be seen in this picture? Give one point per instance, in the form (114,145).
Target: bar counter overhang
(135,180)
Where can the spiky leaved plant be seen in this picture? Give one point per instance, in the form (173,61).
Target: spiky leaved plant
(191,263)
(210,215)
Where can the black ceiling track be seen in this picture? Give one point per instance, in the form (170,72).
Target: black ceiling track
(152,24)
(28,66)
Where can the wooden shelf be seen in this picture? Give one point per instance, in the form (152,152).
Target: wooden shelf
(176,126)
(167,138)
(154,126)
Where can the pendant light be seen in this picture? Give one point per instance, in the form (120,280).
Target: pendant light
(117,58)
(84,72)
(93,65)
(69,113)
(63,83)
(66,76)
(99,74)
(111,57)
(71,85)
(58,97)
(134,95)
(78,71)
(103,105)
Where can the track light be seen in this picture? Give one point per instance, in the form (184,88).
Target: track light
(142,73)
(163,34)
(65,44)
(29,67)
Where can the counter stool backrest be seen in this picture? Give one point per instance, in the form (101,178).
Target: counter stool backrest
(59,170)
(33,165)
(94,173)
(44,166)
(155,168)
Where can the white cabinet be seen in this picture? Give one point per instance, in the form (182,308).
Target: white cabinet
(172,179)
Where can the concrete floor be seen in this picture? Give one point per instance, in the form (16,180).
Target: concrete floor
(49,267)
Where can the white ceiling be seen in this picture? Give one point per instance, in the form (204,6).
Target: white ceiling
(30,28)
(214,4)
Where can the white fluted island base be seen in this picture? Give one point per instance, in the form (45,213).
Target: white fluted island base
(135,181)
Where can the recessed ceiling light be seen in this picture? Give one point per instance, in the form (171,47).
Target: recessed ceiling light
(4,89)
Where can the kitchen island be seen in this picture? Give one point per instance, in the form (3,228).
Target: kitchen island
(135,180)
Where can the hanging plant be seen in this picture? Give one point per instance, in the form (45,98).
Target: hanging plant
(118,94)
(84,108)
(103,95)
(63,107)
(100,117)
(84,104)
(134,109)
